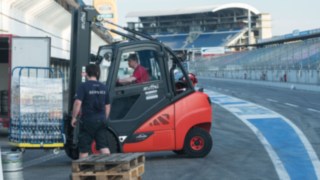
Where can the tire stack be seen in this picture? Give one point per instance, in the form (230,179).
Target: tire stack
(4,102)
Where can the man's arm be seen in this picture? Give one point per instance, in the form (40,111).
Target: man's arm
(107,110)
(127,80)
(76,109)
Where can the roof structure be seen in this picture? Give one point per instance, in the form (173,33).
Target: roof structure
(192,10)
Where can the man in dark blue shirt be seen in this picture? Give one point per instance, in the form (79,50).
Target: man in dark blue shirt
(93,99)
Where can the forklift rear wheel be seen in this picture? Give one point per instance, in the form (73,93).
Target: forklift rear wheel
(198,143)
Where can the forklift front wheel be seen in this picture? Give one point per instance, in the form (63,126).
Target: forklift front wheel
(198,143)
(72,152)
(113,144)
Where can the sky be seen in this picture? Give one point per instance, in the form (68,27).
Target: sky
(287,15)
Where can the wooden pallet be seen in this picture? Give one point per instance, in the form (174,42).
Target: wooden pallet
(129,166)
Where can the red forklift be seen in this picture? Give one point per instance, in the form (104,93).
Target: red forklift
(165,113)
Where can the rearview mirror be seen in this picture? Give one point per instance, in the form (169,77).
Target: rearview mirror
(95,59)
(107,56)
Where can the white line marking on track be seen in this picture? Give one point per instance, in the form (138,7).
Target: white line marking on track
(272,100)
(280,169)
(292,105)
(313,110)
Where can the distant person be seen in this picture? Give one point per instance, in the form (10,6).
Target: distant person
(180,87)
(285,77)
(193,79)
(140,74)
(93,99)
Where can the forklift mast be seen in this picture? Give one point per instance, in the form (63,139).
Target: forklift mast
(82,18)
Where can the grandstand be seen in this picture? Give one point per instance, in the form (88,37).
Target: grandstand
(293,57)
(296,62)
(297,55)
(192,28)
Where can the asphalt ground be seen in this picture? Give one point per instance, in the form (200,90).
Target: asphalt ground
(301,107)
(237,153)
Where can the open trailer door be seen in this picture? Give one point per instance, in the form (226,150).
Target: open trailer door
(19,51)
(30,51)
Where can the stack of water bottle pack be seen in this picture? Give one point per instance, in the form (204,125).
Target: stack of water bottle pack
(36,110)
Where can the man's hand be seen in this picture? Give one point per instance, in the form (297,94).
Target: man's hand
(75,112)
(74,122)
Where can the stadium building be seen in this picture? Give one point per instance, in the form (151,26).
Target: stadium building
(207,29)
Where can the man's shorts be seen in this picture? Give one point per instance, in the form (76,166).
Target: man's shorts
(92,129)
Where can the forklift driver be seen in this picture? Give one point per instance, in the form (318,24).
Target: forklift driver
(140,74)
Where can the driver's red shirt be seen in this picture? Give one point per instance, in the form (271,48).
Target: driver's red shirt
(141,74)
